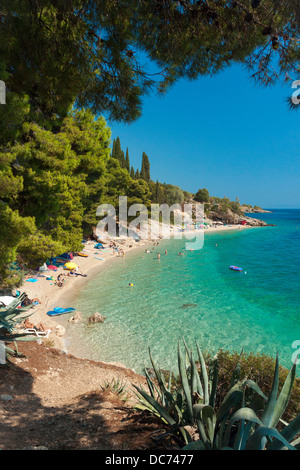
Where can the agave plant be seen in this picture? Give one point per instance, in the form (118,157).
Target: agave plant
(175,407)
(11,315)
(242,422)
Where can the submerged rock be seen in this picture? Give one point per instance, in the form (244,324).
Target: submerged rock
(188,305)
(77,318)
(60,330)
(96,318)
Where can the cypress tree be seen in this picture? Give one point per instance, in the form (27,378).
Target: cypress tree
(122,160)
(132,174)
(145,171)
(118,150)
(137,175)
(113,152)
(127,162)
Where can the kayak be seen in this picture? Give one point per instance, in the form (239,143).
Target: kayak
(235,268)
(83,254)
(60,311)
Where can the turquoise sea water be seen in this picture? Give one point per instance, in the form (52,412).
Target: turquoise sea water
(258,309)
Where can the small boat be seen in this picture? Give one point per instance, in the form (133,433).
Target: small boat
(235,268)
(83,254)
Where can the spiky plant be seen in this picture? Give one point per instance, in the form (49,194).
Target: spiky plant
(9,317)
(242,422)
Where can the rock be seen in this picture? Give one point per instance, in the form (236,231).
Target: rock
(96,318)
(5,397)
(60,330)
(188,305)
(77,318)
(36,448)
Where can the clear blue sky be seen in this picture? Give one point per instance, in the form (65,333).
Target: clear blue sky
(223,133)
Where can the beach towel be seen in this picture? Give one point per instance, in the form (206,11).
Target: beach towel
(31,280)
(53,268)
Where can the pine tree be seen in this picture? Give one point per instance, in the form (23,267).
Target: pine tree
(185,39)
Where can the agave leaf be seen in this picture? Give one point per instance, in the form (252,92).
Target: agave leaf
(196,445)
(5,324)
(160,409)
(157,372)
(243,414)
(209,419)
(213,376)
(258,438)
(204,376)
(188,353)
(284,397)
(170,381)
(185,384)
(17,337)
(232,398)
(194,377)
(150,384)
(288,433)
(197,410)
(270,406)
(186,436)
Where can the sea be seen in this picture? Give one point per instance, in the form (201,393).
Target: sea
(196,297)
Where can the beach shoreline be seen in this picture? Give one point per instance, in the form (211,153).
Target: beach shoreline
(51,296)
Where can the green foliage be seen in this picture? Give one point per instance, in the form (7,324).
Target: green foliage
(59,175)
(173,194)
(116,387)
(95,60)
(35,250)
(245,419)
(202,195)
(14,229)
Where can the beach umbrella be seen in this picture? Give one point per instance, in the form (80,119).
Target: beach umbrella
(66,256)
(71,266)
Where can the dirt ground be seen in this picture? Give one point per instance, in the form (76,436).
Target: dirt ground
(52,400)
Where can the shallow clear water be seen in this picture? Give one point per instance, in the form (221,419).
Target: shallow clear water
(257,309)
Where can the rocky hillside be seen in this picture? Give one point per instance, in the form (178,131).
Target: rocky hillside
(228,217)
(253,210)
